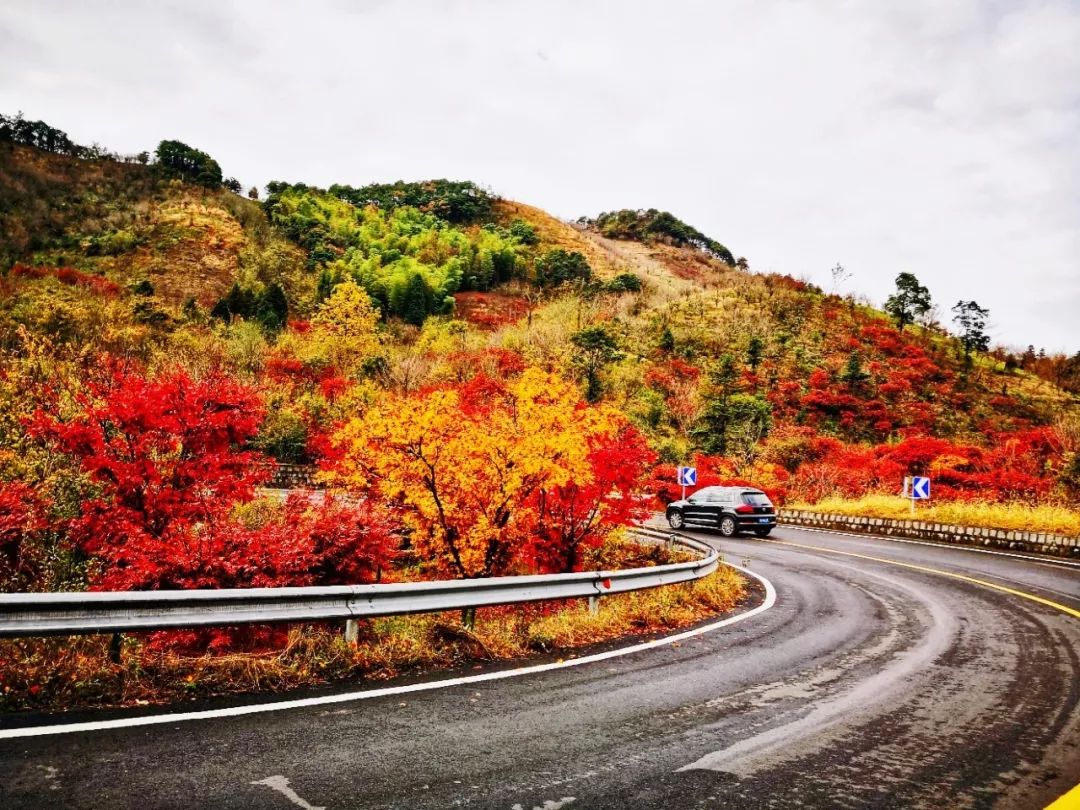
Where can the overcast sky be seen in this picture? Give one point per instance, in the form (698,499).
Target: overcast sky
(937,137)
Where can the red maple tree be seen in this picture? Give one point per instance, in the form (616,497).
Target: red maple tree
(578,515)
(166,454)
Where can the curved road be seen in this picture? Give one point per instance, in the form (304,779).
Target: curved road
(867,684)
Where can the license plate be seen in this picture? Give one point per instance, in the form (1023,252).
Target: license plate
(763,520)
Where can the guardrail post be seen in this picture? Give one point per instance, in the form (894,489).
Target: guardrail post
(594,605)
(352,631)
(115,648)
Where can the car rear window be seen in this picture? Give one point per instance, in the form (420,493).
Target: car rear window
(756,499)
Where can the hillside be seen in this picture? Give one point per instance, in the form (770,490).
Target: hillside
(335,312)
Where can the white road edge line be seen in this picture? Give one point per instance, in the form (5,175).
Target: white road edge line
(347,697)
(867,536)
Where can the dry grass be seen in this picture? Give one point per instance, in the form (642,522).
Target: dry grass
(642,611)
(194,249)
(554,233)
(62,674)
(1009,516)
(655,265)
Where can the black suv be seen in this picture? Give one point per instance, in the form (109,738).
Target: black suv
(729,509)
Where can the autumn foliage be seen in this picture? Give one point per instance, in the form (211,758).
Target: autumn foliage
(497,477)
(70,276)
(22,520)
(165,454)
(471,415)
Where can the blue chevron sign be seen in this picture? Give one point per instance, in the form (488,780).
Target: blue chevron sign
(687,476)
(920,489)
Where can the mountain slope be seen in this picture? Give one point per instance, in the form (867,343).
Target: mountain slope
(764,374)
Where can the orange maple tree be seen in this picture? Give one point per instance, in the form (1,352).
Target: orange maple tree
(495,477)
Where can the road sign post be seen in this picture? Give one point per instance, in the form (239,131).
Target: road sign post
(687,478)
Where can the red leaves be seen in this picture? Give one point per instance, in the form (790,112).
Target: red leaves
(819,379)
(490,310)
(674,377)
(1014,466)
(71,276)
(885,339)
(310,541)
(786,282)
(575,516)
(333,387)
(493,361)
(166,454)
(480,394)
(507,362)
(22,518)
(285,369)
(343,542)
(712,471)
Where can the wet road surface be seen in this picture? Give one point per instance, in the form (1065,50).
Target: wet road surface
(867,684)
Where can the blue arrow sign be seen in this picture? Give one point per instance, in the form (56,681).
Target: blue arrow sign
(687,476)
(920,489)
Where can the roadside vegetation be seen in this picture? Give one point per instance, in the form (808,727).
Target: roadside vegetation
(1049,518)
(483,388)
(63,674)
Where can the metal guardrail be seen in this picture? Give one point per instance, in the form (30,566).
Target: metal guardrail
(76,613)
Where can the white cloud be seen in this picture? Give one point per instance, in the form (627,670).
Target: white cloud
(936,137)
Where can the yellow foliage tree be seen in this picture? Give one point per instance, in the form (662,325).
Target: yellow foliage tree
(465,462)
(348,324)
(344,332)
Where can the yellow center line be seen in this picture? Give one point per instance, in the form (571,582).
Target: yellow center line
(962,577)
(1071,800)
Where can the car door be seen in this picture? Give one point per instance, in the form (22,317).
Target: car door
(694,511)
(713,506)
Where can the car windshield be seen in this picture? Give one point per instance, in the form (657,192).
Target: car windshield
(756,499)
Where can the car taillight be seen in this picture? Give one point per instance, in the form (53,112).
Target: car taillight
(743,509)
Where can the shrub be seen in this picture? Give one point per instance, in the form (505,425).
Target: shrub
(524,232)
(283,436)
(112,244)
(624,282)
(558,266)
(165,454)
(268,305)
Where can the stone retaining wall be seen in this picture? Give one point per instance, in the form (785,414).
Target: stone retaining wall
(1038,542)
(292,476)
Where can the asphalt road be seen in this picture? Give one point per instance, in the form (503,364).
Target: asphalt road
(867,684)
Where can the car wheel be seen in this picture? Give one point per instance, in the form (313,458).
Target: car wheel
(675,520)
(762,532)
(728,526)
